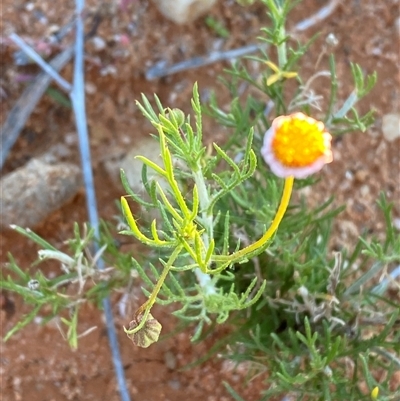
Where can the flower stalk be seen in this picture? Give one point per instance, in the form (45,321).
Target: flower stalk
(262,242)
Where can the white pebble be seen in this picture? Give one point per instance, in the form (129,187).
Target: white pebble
(183,11)
(364,190)
(98,43)
(90,88)
(391,126)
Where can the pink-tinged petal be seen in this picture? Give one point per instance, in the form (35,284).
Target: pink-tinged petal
(305,141)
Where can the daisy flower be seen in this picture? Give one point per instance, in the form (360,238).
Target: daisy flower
(297,146)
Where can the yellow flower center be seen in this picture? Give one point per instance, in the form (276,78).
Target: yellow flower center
(299,142)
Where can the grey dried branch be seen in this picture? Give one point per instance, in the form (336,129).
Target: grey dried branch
(25,105)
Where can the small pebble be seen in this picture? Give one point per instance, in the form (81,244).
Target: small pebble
(331,40)
(98,43)
(349,175)
(361,175)
(364,190)
(183,11)
(108,70)
(397,26)
(391,126)
(174,384)
(90,88)
(170,360)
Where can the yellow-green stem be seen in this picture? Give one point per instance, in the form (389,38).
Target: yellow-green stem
(146,307)
(287,191)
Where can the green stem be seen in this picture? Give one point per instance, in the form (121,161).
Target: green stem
(278,16)
(334,87)
(146,307)
(282,57)
(204,199)
(204,279)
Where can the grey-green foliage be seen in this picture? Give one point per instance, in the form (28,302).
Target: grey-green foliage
(189,213)
(322,324)
(319,332)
